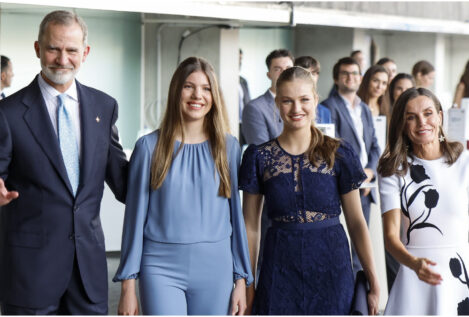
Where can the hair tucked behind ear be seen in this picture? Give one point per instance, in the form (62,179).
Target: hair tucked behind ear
(215,125)
(322,147)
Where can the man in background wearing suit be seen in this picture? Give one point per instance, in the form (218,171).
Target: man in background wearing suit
(354,123)
(58,144)
(6,75)
(261,117)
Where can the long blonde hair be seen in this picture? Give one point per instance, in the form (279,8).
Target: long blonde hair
(215,125)
(321,147)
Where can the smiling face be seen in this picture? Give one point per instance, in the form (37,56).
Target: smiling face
(378,84)
(196,97)
(297,104)
(401,86)
(422,121)
(348,79)
(61,51)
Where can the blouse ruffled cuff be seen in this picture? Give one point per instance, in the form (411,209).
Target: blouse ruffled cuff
(129,277)
(237,276)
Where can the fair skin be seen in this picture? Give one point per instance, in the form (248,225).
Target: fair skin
(423,123)
(196,102)
(277,66)
(401,86)
(297,104)
(347,83)
(425,81)
(6,76)
(391,68)
(376,88)
(61,51)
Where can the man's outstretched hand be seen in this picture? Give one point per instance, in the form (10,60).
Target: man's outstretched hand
(5,195)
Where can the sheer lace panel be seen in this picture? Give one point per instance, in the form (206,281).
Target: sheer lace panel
(283,164)
(307,216)
(323,168)
(279,163)
(297,175)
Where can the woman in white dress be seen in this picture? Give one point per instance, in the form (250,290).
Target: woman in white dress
(424,182)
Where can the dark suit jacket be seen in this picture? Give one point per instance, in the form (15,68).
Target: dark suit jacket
(47,226)
(345,129)
(261,120)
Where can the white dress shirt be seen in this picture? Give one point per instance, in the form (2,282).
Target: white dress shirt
(355,112)
(50,94)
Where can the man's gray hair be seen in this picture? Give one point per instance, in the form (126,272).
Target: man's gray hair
(63,17)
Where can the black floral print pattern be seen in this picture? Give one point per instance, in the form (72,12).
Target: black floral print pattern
(418,175)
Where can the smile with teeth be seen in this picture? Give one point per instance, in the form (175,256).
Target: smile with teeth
(297,117)
(195,106)
(424,131)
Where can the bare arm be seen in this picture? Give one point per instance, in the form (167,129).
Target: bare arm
(459,94)
(128,304)
(360,237)
(392,241)
(252,210)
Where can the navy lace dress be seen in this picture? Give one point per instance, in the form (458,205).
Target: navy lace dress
(306,268)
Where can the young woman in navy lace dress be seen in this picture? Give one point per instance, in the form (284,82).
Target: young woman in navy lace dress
(305,177)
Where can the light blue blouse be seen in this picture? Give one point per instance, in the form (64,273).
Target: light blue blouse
(186,208)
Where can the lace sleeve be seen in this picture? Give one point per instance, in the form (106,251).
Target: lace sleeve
(351,174)
(249,179)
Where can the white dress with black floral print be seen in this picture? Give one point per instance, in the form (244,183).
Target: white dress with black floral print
(433,198)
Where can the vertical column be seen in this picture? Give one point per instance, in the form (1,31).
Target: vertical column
(228,70)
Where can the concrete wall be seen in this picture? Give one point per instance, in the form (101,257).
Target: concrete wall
(256,45)
(327,45)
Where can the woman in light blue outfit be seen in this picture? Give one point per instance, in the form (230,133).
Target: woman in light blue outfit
(184,235)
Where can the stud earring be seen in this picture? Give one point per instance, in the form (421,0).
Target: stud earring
(441,138)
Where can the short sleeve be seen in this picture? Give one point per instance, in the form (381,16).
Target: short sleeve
(389,193)
(351,174)
(249,176)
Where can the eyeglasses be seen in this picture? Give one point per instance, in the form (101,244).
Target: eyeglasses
(345,73)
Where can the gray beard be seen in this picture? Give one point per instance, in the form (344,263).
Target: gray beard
(58,78)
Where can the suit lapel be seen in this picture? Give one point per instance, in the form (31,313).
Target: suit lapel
(89,124)
(348,118)
(38,120)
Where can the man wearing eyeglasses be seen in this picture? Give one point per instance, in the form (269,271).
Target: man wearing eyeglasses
(354,124)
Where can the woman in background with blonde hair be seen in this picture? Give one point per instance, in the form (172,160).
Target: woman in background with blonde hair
(184,235)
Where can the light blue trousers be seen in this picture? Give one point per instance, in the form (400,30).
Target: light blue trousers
(186,279)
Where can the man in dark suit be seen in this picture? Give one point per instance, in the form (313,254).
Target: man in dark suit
(261,117)
(354,123)
(58,144)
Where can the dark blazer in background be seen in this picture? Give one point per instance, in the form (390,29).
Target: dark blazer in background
(46,226)
(246,95)
(261,120)
(345,129)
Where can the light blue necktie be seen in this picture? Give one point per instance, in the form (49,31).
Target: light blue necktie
(68,143)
